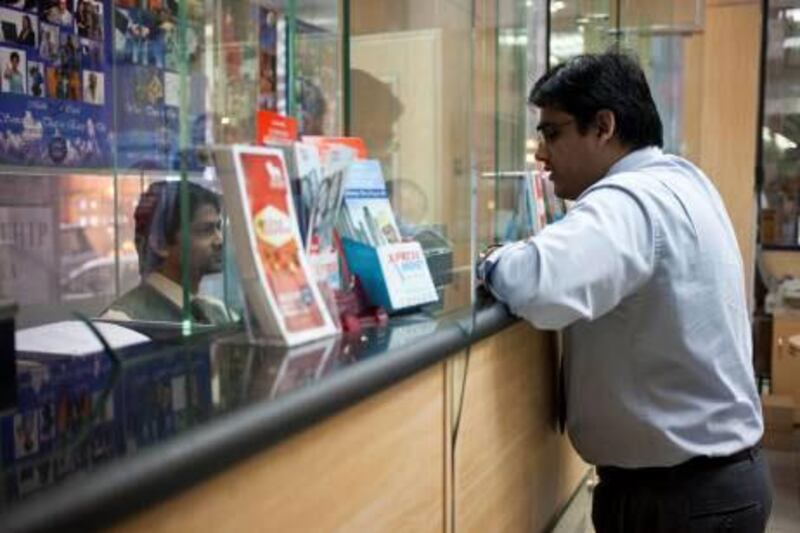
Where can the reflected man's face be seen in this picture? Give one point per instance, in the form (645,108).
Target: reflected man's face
(206,240)
(205,247)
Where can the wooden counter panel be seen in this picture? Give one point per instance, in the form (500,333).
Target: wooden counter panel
(377,466)
(513,470)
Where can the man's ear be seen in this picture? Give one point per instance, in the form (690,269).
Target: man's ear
(606,125)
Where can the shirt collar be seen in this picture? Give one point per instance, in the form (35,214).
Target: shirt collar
(632,161)
(167,287)
(637,158)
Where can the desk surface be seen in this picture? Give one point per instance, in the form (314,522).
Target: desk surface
(90,441)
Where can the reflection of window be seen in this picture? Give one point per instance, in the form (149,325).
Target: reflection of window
(73,240)
(97,277)
(779,198)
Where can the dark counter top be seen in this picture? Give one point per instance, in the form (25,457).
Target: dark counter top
(91,441)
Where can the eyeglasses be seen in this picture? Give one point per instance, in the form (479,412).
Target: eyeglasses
(549,131)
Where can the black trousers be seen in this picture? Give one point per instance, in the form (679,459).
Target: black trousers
(727,494)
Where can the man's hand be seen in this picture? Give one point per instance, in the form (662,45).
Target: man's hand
(480,266)
(482,271)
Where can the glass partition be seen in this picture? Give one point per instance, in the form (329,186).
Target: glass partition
(109,115)
(662,35)
(114,113)
(510,51)
(113,203)
(580,26)
(410,78)
(779,198)
(515,48)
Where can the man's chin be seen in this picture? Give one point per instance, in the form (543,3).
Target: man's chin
(214,267)
(562,193)
(558,190)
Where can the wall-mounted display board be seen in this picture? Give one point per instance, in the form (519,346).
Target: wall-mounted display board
(55,82)
(83,82)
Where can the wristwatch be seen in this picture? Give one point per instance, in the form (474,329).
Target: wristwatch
(485,263)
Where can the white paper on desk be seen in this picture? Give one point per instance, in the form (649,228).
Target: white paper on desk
(73,337)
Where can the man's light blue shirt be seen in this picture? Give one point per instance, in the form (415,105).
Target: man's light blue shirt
(646,275)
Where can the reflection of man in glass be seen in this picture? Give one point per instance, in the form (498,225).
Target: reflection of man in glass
(13,75)
(375,123)
(159,296)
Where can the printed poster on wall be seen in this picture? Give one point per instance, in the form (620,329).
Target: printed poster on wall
(55,83)
(147,102)
(58,103)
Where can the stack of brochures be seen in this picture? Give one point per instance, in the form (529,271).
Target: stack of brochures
(339,191)
(367,215)
(394,273)
(279,284)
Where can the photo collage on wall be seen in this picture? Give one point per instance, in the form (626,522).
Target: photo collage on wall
(54,83)
(268,58)
(146,55)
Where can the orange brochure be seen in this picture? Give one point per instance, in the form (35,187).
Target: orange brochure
(325,144)
(280,288)
(274,127)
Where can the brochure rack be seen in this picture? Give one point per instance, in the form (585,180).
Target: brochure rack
(281,292)
(393,276)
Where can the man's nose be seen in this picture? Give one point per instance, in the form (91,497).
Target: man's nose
(541,153)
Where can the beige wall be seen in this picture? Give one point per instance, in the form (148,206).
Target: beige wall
(721,120)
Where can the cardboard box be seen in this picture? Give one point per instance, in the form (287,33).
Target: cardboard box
(778,412)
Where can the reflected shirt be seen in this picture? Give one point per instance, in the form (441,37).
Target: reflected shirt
(160,299)
(646,275)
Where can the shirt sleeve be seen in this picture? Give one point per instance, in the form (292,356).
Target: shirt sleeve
(582,266)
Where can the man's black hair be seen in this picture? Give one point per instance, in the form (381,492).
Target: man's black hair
(150,201)
(614,81)
(156,193)
(198,197)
